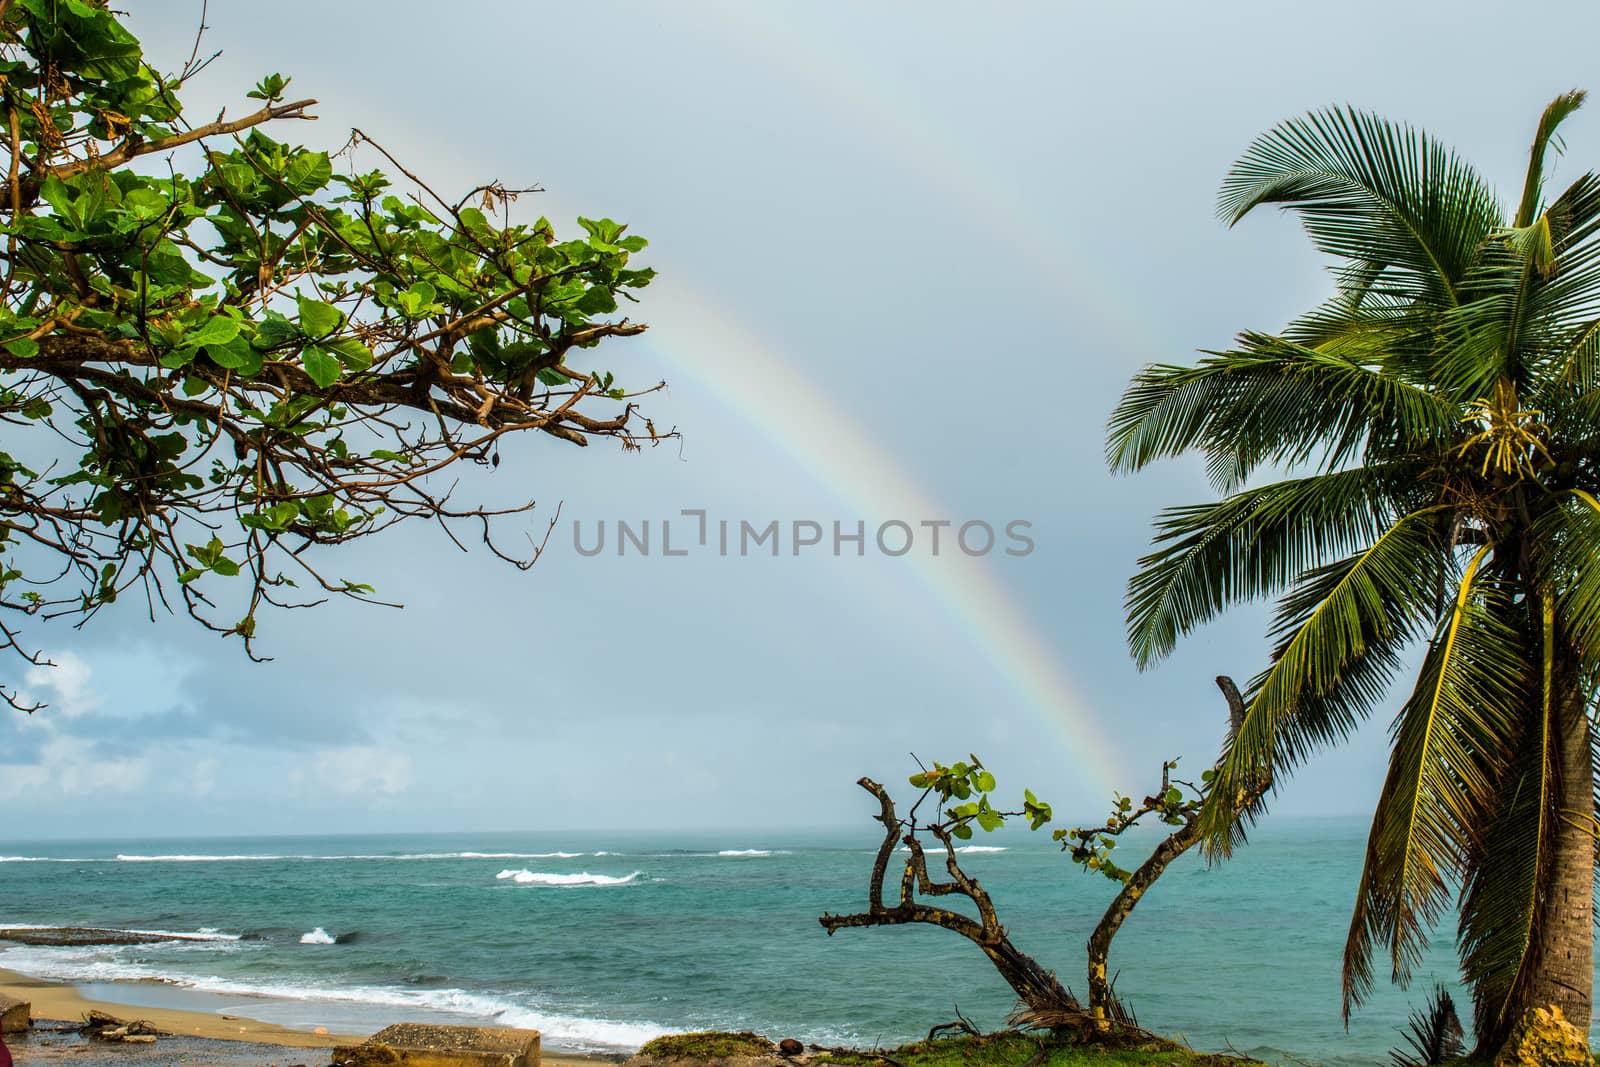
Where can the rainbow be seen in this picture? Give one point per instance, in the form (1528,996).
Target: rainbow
(759,384)
(900,122)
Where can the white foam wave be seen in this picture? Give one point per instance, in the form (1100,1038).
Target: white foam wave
(319,936)
(121,858)
(527,877)
(745,852)
(205,933)
(561,1030)
(938,850)
(124,858)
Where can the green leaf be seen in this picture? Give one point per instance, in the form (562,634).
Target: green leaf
(308,172)
(275,330)
(23,347)
(417,301)
(318,319)
(352,353)
(323,368)
(55,193)
(233,354)
(217,330)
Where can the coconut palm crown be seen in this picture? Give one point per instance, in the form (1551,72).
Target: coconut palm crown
(1441,417)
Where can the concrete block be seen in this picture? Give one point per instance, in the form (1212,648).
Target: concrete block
(418,1045)
(15,1015)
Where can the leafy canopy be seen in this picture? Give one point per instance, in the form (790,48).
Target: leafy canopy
(219,352)
(1439,422)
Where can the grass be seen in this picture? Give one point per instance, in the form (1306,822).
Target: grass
(1006,1049)
(707,1045)
(1014,1049)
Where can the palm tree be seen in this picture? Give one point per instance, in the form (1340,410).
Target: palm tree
(1441,413)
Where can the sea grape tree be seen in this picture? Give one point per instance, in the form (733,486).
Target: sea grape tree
(222,353)
(961,799)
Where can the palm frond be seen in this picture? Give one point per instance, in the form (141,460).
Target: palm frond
(1269,401)
(1533,185)
(1434,1034)
(1250,545)
(1448,742)
(1506,871)
(1569,565)
(1326,626)
(1370,191)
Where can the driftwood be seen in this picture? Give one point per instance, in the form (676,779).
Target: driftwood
(103,1027)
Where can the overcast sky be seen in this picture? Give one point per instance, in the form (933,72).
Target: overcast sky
(909,255)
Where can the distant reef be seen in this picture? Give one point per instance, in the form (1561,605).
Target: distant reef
(85,935)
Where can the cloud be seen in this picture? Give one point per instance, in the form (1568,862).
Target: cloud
(64,687)
(68,767)
(363,769)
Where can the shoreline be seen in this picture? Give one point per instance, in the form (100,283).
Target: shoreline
(64,1002)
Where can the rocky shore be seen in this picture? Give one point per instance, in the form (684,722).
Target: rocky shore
(80,936)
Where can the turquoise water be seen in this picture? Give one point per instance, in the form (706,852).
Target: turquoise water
(603,941)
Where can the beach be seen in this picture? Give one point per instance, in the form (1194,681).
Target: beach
(198,1037)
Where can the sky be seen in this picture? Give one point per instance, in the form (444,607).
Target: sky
(909,256)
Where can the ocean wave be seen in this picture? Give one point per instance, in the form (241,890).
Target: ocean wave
(392,857)
(574,1032)
(745,852)
(205,933)
(121,858)
(583,878)
(932,848)
(319,936)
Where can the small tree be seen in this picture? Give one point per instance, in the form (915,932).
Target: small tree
(963,794)
(214,376)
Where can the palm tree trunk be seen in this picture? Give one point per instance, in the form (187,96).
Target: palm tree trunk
(1564,971)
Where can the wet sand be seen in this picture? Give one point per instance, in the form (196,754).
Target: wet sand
(48,1047)
(200,1039)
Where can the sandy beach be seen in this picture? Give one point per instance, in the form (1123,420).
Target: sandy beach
(268,1043)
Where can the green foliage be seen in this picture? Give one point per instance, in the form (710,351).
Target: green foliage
(1174,803)
(1437,417)
(1011,1048)
(708,1044)
(252,351)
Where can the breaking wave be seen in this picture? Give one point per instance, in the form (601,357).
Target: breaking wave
(559,1029)
(583,878)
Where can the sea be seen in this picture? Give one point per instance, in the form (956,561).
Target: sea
(605,940)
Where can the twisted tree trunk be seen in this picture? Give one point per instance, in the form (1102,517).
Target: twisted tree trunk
(1103,1004)
(1035,987)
